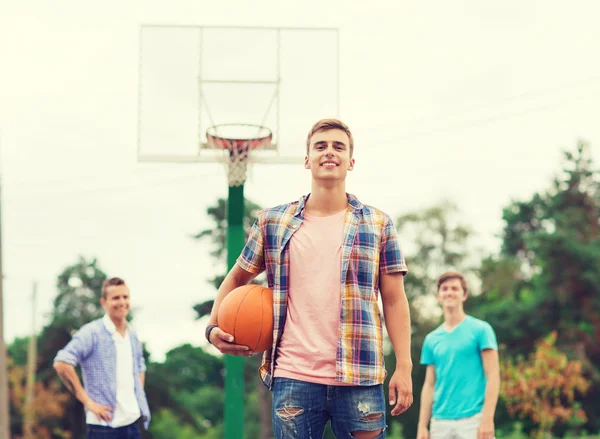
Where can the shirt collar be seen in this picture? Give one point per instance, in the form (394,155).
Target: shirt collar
(354,203)
(110,326)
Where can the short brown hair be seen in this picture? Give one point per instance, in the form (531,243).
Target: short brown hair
(113,281)
(448,275)
(326,125)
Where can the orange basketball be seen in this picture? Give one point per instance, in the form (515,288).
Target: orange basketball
(247,314)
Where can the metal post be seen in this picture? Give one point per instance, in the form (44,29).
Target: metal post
(4,400)
(234,366)
(29,418)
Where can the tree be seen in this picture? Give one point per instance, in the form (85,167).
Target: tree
(218,233)
(176,384)
(547,276)
(544,387)
(438,242)
(48,405)
(79,292)
(218,237)
(555,239)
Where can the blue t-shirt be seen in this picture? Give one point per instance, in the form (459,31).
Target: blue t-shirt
(459,375)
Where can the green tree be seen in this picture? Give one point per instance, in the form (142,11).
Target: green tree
(189,386)
(547,276)
(79,292)
(217,236)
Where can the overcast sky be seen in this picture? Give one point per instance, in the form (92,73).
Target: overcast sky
(467,100)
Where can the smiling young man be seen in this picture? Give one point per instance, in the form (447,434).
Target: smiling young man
(462,379)
(327,257)
(113,369)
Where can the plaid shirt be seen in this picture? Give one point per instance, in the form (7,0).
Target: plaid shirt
(370,248)
(93,348)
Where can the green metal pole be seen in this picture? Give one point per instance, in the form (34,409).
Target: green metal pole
(234,366)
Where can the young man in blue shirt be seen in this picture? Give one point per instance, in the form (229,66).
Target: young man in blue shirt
(462,380)
(113,369)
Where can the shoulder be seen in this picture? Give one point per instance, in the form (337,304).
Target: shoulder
(433,335)
(479,325)
(133,333)
(370,213)
(376,213)
(91,328)
(277,212)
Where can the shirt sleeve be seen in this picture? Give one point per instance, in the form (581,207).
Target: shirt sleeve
(391,259)
(78,349)
(252,258)
(487,337)
(426,352)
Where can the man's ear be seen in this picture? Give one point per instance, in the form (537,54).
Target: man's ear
(306,163)
(351,166)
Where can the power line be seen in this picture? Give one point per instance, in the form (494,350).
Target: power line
(527,94)
(495,118)
(87,191)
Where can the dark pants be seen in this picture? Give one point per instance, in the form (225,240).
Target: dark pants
(100,432)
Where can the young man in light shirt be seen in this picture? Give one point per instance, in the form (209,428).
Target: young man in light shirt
(327,258)
(113,369)
(462,380)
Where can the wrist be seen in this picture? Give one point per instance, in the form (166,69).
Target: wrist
(85,400)
(208,330)
(404,365)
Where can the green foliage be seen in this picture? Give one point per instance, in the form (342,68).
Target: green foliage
(218,236)
(547,276)
(544,387)
(189,382)
(17,350)
(79,291)
(166,425)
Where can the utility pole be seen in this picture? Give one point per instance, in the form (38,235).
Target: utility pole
(29,420)
(4,401)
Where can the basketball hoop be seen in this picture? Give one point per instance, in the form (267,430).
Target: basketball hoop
(238,141)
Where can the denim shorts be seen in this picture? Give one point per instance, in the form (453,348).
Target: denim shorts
(301,410)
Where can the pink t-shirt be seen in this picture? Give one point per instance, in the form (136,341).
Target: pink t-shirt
(308,345)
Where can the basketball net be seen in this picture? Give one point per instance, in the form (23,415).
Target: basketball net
(237,143)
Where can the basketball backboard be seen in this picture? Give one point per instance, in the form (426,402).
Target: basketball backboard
(195,77)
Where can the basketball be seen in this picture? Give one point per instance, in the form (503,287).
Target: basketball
(247,314)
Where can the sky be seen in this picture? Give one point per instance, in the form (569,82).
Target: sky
(468,101)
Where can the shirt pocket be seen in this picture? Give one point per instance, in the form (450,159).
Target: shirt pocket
(362,271)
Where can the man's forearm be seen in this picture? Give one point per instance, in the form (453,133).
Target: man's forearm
(397,323)
(426,406)
(492,389)
(70,379)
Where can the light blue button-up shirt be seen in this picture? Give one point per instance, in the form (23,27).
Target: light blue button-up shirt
(93,348)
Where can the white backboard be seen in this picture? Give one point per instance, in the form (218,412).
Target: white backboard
(193,77)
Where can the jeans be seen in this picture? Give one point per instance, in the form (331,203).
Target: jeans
(301,410)
(130,431)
